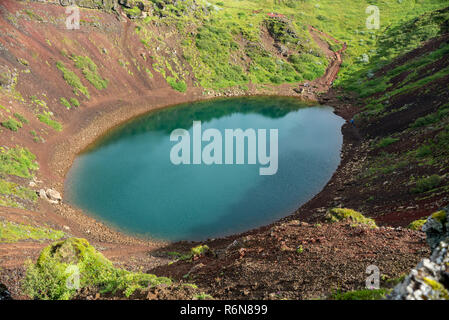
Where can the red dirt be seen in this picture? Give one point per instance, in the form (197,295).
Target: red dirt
(267,265)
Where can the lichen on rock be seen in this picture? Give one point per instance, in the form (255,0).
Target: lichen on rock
(429,280)
(437,228)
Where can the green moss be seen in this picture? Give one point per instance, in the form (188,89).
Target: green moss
(339,214)
(417,224)
(199,250)
(13,232)
(57,263)
(443,293)
(366,294)
(440,216)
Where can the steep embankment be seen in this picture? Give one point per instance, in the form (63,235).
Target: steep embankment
(60,89)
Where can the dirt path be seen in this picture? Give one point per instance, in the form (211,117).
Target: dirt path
(324,83)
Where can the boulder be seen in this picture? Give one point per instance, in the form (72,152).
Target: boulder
(437,228)
(53,195)
(4,293)
(429,280)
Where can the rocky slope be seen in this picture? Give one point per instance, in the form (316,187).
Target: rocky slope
(60,89)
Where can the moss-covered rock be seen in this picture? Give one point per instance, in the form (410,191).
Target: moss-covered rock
(437,228)
(417,224)
(65,267)
(340,214)
(428,281)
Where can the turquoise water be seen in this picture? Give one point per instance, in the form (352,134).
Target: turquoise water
(128,181)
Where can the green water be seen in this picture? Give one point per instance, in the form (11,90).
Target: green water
(128,181)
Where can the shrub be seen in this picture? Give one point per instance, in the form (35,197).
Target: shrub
(72,79)
(65,103)
(180,86)
(60,262)
(46,118)
(89,69)
(340,214)
(386,142)
(426,184)
(21,118)
(75,102)
(12,124)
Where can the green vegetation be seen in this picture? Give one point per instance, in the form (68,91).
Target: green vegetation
(12,189)
(62,262)
(417,224)
(13,232)
(65,103)
(18,162)
(45,117)
(133,12)
(341,214)
(90,71)
(180,86)
(72,79)
(12,124)
(440,216)
(427,184)
(366,294)
(21,118)
(75,102)
(386,142)
(199,250)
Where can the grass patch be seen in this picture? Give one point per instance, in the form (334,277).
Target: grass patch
(386,142)
(21,118)
(90,71)
(13,232)
(180,86)
(12,124)
(72,79)
(65,103)
(366,294)
(47,279)
(427,184)
(45,117)
(18,162)
(10,188)
(341,214)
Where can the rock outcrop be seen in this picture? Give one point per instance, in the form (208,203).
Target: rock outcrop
(4,293)
(429,280)
(437,228)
